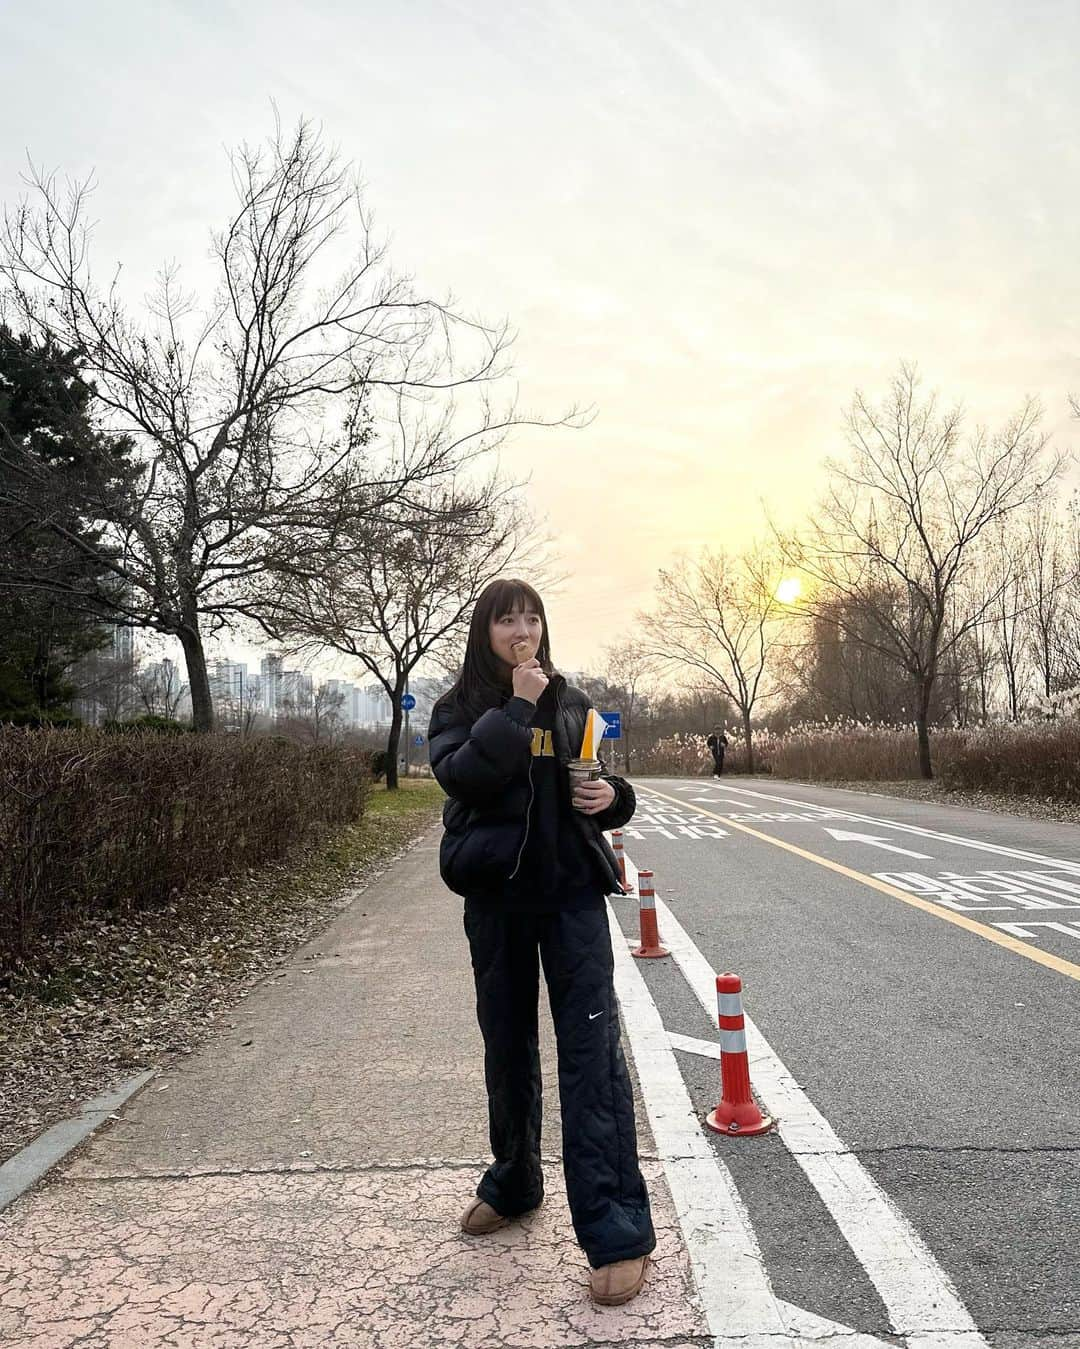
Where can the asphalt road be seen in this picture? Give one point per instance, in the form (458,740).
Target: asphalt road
(939,1037)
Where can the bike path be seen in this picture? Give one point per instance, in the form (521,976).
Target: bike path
(946,1062)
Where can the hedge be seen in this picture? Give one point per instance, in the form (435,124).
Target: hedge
(92,821)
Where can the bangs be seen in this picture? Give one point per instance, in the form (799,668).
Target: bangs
(513,597)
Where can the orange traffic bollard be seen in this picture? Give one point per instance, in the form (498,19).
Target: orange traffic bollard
(620,856)
(650,948)
(738,1113)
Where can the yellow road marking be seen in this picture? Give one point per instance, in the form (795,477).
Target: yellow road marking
(1021,948)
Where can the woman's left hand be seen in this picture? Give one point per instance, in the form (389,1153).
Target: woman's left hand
(591,798)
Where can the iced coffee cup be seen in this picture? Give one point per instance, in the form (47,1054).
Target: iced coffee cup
(583,770)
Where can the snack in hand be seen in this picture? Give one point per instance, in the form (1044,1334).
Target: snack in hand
(595,726)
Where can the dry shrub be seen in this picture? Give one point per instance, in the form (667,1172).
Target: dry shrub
(675,756)
(1033,759)
(827,752)
(1036,759)
(838,752)
(1030,759)
(736,759)
(91,821)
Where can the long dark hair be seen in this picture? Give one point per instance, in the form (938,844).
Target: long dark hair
(483,681)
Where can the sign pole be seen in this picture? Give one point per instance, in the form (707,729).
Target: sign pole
(408,702)
(408,707)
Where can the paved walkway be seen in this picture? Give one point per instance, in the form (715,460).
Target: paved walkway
(298,1182)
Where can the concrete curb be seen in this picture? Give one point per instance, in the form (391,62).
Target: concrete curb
(27,1167)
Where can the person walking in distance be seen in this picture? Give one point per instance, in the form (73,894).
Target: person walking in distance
(530,859)
(717,743)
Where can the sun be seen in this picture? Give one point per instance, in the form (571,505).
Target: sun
(789,590)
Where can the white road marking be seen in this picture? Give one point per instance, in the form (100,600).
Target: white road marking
(940,835)
(1022,929)
(846,836)
(709,1049)
(1008,941)
(974,893)
(728,1267)
(921,1300)
(736,1294)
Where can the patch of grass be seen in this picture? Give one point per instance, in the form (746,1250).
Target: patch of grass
(412,795)
(102,1001)
(390,820)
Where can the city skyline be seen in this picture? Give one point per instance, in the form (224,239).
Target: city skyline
(270,687)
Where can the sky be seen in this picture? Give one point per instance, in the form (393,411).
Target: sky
(711,222)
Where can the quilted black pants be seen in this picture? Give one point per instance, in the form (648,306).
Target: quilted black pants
(608,1201)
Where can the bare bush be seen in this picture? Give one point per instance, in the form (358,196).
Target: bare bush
(91,821)
(675,756)
(1031,759)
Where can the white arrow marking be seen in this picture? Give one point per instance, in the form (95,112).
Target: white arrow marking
(844,836)
(741,1307)
(921,1302)
(1059,863)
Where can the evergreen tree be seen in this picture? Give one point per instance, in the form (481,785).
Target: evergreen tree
(54,467)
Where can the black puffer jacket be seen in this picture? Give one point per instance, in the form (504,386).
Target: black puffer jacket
(486,770)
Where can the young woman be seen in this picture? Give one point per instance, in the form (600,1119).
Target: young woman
(534,868)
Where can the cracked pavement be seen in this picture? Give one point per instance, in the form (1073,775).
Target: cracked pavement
(298,1182)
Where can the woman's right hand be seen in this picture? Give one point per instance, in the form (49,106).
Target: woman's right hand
(529,680)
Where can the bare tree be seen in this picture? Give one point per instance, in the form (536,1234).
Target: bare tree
(694,707)
(1067,640)
(327,713)
(985,663)
(903,518)
(1046,582)
(315,720)
(161,689)
(395,594)
(109,680)
(1003,590)
(627,666)
(983,658)
(253,421)
(719,616)
(239,709)
(830,668)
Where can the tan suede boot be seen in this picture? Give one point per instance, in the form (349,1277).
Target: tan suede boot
(612,1285)
(479,1219)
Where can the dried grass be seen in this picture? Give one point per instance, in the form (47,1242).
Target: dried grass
(1039,759)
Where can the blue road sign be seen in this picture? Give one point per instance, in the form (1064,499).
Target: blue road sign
(418,740)
(614,725)
(408,702)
